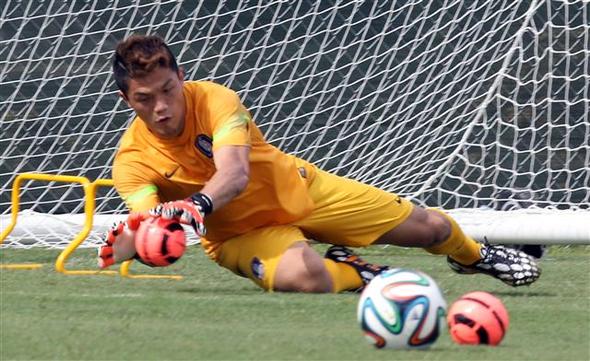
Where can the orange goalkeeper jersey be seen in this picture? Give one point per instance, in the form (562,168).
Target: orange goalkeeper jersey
(148,170)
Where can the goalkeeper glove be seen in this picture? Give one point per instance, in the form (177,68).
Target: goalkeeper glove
(189,211)
(120,241)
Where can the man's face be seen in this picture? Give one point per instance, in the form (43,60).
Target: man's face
(158,100)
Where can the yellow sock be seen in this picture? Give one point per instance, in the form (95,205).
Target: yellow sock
(458,246)
(344,277)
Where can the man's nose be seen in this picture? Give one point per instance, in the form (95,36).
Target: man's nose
(161,106)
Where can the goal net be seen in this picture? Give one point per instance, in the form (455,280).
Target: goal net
(477,107)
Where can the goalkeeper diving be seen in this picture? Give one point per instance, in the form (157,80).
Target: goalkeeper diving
(194,154)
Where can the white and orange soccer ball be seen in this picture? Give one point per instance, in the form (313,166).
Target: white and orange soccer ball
(402,308)
(478,318)
(160,242)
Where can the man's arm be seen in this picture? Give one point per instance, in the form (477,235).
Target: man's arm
(231,177)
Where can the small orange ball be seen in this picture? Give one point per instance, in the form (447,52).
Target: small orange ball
(478,318)
(160,242)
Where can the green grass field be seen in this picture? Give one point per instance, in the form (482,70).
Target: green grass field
(213,315)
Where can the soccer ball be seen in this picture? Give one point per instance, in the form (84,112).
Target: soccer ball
(402,308)
(160,242)
(478,318)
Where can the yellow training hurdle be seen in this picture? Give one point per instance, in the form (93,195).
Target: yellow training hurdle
(89,208)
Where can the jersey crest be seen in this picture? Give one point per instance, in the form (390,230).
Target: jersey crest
(205,145)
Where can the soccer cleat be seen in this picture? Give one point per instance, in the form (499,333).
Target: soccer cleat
(366,271)
(511,266)
(538,251)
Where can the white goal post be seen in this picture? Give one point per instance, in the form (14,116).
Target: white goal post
(477,107)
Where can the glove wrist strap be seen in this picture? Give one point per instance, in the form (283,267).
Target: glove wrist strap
(203,201)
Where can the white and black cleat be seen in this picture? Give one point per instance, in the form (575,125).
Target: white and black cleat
(509,265)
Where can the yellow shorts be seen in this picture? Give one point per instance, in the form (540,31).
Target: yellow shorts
(347,213)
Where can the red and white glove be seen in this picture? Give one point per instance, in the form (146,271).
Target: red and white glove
(190,211)
(120,241)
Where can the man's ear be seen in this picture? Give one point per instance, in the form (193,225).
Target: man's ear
(125,98)
(181,74)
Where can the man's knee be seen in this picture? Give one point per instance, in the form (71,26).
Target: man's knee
(439,225)
(301,269)
(423,228)
(304,279)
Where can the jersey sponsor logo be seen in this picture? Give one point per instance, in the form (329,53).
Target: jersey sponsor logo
(205,145)
(257,268)
(170,174)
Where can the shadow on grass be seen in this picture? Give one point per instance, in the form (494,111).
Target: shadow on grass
(525,294)
(222,291)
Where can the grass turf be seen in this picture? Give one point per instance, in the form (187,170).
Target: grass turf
(214,315)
